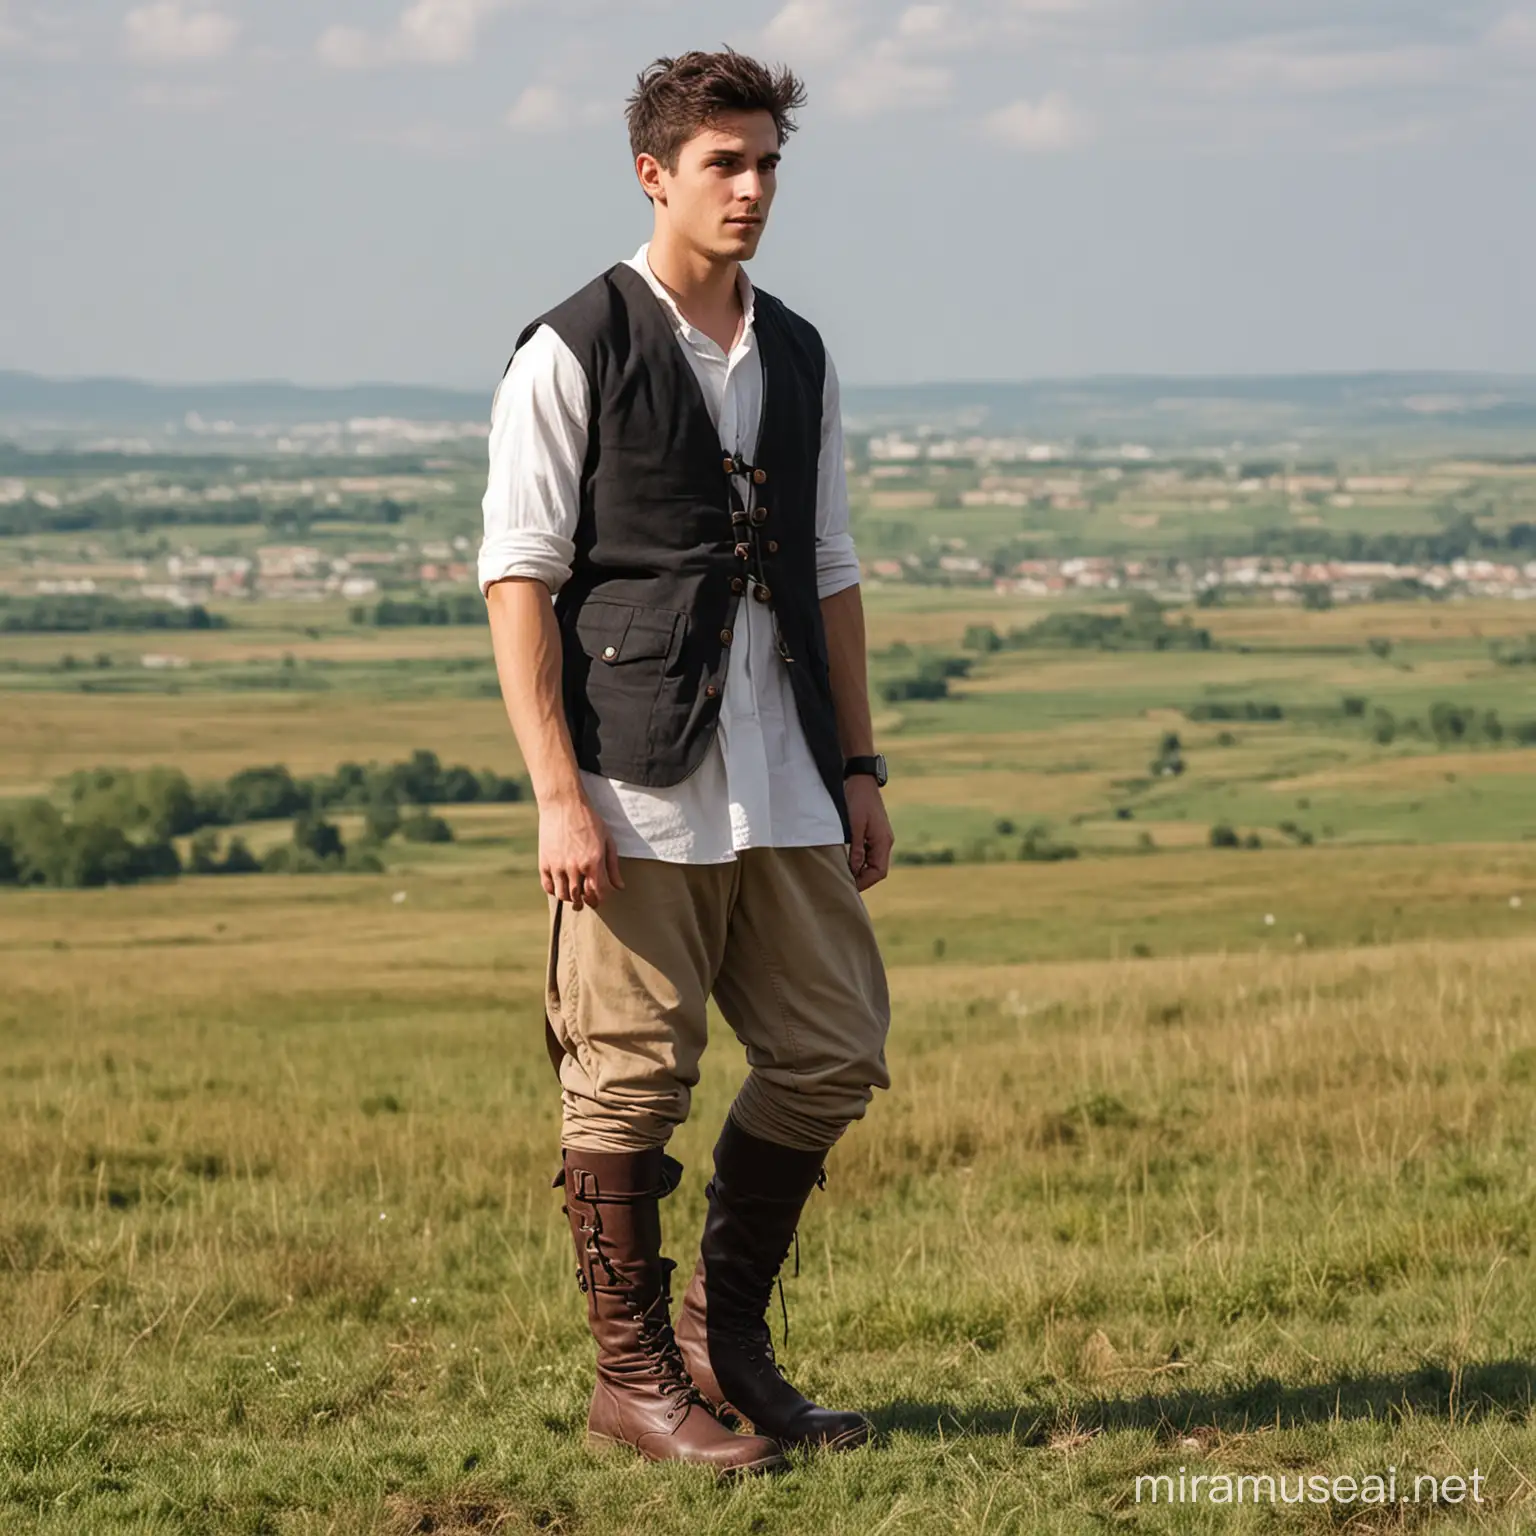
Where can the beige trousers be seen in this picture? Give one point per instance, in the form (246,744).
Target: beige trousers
(781,938)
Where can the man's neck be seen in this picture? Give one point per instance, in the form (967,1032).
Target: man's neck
(706,291)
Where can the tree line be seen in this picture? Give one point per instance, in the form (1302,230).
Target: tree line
(107,514)
(1143,627)
(80,613)
(117,825)
(454,608)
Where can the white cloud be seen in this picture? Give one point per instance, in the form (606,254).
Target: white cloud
(426,32)
(349,48)
(441,31)
(547,108)
(814,29)
(925,21)
(1514,32)
(1037,127)
(901,71)
(886,79)
(540,109)
(932,27)
(168,32)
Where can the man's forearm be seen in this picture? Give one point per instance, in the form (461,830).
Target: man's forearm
(842,616)
(526,641)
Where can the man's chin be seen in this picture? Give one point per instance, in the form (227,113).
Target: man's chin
(743,243)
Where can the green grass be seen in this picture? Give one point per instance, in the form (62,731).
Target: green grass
(279,1253)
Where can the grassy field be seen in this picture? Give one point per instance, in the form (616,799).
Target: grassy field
(1199,1159)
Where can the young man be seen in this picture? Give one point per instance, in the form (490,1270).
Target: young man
(666,457)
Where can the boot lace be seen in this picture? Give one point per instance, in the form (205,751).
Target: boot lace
(656,1337)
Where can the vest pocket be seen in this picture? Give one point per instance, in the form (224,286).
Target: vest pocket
(613,634)
(623,653)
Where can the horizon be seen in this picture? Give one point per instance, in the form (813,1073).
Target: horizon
(1022,380)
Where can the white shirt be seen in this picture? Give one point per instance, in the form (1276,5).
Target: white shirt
(758,785)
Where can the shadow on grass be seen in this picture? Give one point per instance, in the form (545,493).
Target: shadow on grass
(1496,1389)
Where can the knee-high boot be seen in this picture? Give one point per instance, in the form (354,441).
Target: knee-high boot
(755,1200)
(643,1397)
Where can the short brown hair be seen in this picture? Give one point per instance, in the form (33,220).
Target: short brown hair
(674,99)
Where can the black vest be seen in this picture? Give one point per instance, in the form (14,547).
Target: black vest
(665,550)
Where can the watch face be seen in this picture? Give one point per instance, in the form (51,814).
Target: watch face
(880,769)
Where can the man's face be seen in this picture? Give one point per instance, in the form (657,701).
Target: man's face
(717,200)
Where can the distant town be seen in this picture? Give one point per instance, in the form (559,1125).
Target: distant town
(1010,513)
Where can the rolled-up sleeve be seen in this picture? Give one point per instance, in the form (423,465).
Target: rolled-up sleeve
(837,562)
(537,444)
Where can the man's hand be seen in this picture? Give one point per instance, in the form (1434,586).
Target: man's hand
(869,854)
(578,861)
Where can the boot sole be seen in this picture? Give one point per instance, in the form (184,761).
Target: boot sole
(849,1440)
(604,1444)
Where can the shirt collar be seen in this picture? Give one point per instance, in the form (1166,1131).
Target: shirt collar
(640,261)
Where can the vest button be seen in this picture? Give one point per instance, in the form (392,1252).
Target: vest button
(729,465)
(773,546)
(743,551)
(759,515)
(760,476)
(761,593)
(710,690)
(725,637)
(738,586)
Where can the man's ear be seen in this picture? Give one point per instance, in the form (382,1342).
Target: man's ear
(648,171)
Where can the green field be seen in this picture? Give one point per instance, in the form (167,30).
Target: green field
(1213,1159)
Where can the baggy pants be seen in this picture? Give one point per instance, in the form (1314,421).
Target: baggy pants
(780,936)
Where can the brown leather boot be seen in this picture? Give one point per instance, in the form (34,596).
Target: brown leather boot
(643,1397)
(755,1200)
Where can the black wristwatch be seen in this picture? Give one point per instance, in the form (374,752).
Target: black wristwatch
(872,765)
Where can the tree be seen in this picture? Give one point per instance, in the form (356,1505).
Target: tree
(96,854)
(167,802)
(495,788)
(1448,723)
(1169,762)
(203,856)
(460,786)
(263,794)
(382,820)
(421,778)
(314,835)
(238,859)
(423,827)
(39,842)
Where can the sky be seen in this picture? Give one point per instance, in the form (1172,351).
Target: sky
(334,191)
